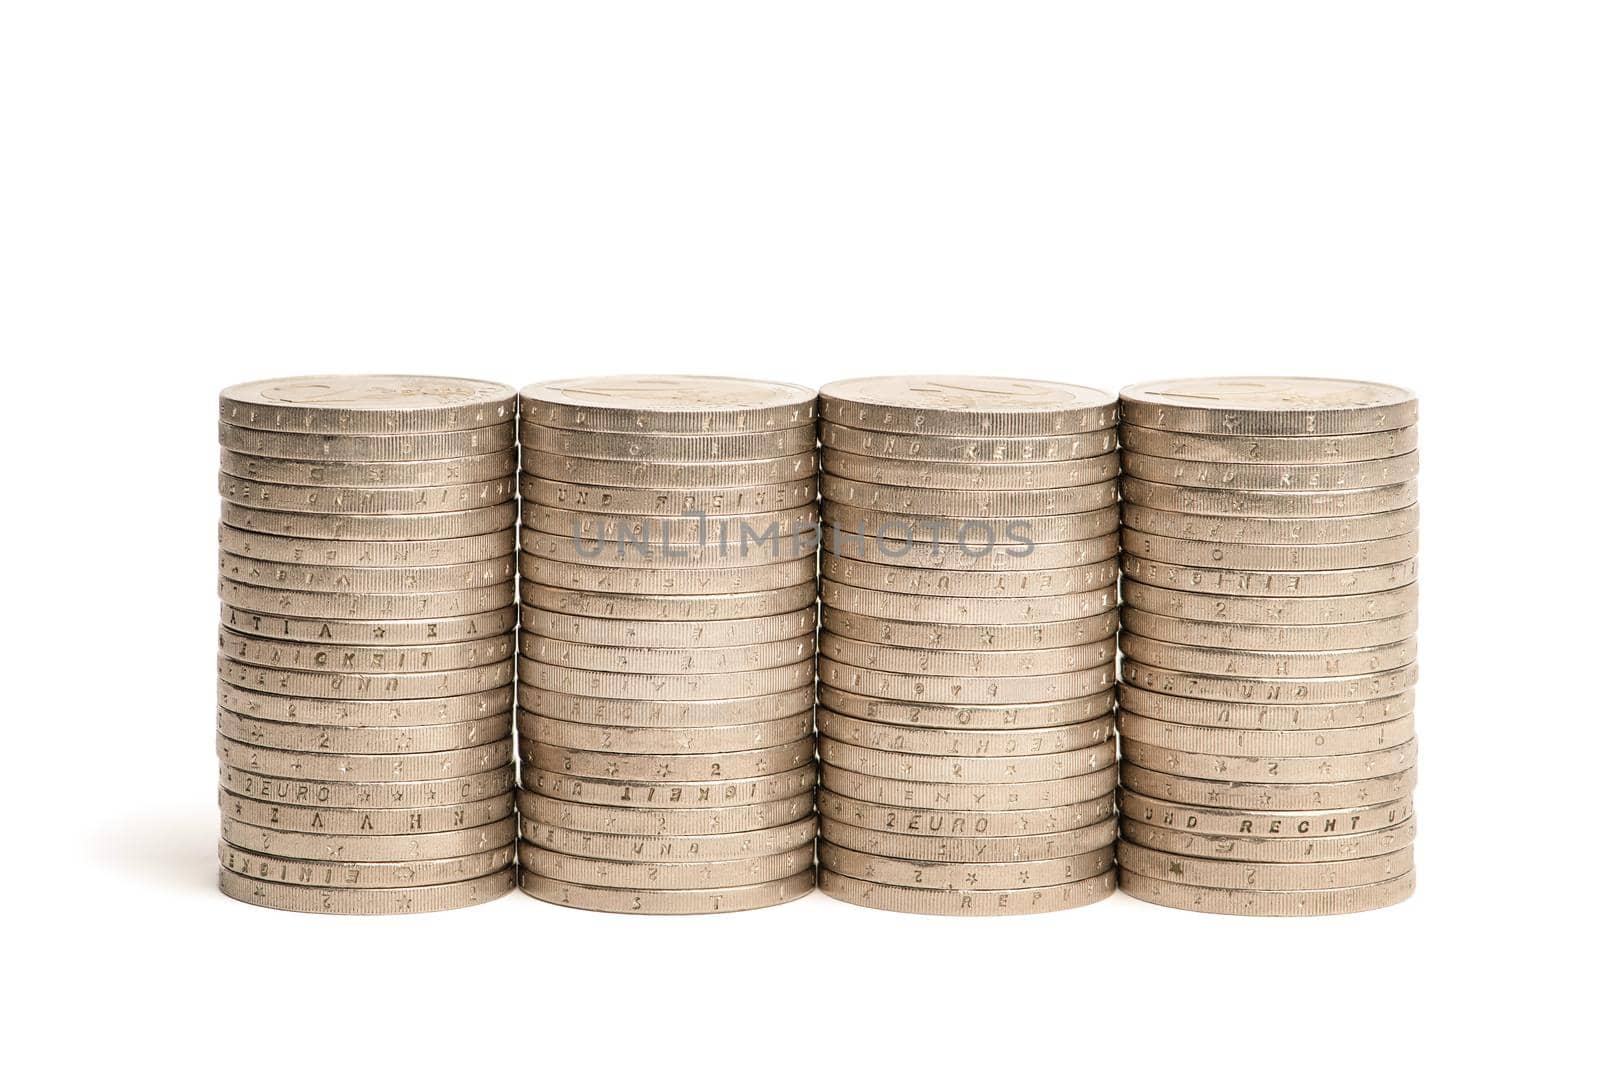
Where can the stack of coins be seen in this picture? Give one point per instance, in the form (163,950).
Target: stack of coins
(967,660)
(367,579)
(666,690)
(1269,650)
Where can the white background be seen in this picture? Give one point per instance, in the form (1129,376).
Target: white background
(198,194)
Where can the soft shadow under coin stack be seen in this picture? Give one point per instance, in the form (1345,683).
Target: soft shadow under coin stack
(967,659)
(367,579)
(668,643)
(1269,650)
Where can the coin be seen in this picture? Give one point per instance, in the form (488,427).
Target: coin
(315,656)
(614,712)
(668,902)
(977,770)
(894,577)
(691,530)
(977,637)
(1003,797)
(644,634)
(369,848)
(1194,553)
(364,606)
(1227,607)
(357,448)
(1191,790)
(1290,743)
(969,503)
(669,404)
(1252,531)
(1271,769)
(671,448)
(957,875)
(340,712)
(974,556)
(664,823)
(366,902)
(705,477)
(383,822)
(650,579)
(469,523)
(965,716)
(719,793)
(352,875)
(696,874)
(1269,504)
(974,535)
(329,552)
(312,578)
(376,632)
(1057,608)
(1301,638)
(673,607)
(972,448)
(703,687)
(947,474)
(1353,474)
(339,767)
(496,781)
(1251,823)
(764,842)
(547,557)
(1275,691)
(1278,407)
(675,767)
(963,743)
(1271,850)
(939,689)
(613,500)
(432,738)
(482,468)
(970,850)
(924,901)
(360,501)
(965,404)
(667,727)
(359,685)
(367,404)
(1236,902)
(1230,874)
(1357,580)
(1240,449)
(1212,661)
(944,824)
(633,660)
(977,665)
(657,740)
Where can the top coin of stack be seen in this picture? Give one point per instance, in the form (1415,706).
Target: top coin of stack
(1269,650)
(367,577)
(967,659)
(668,643)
